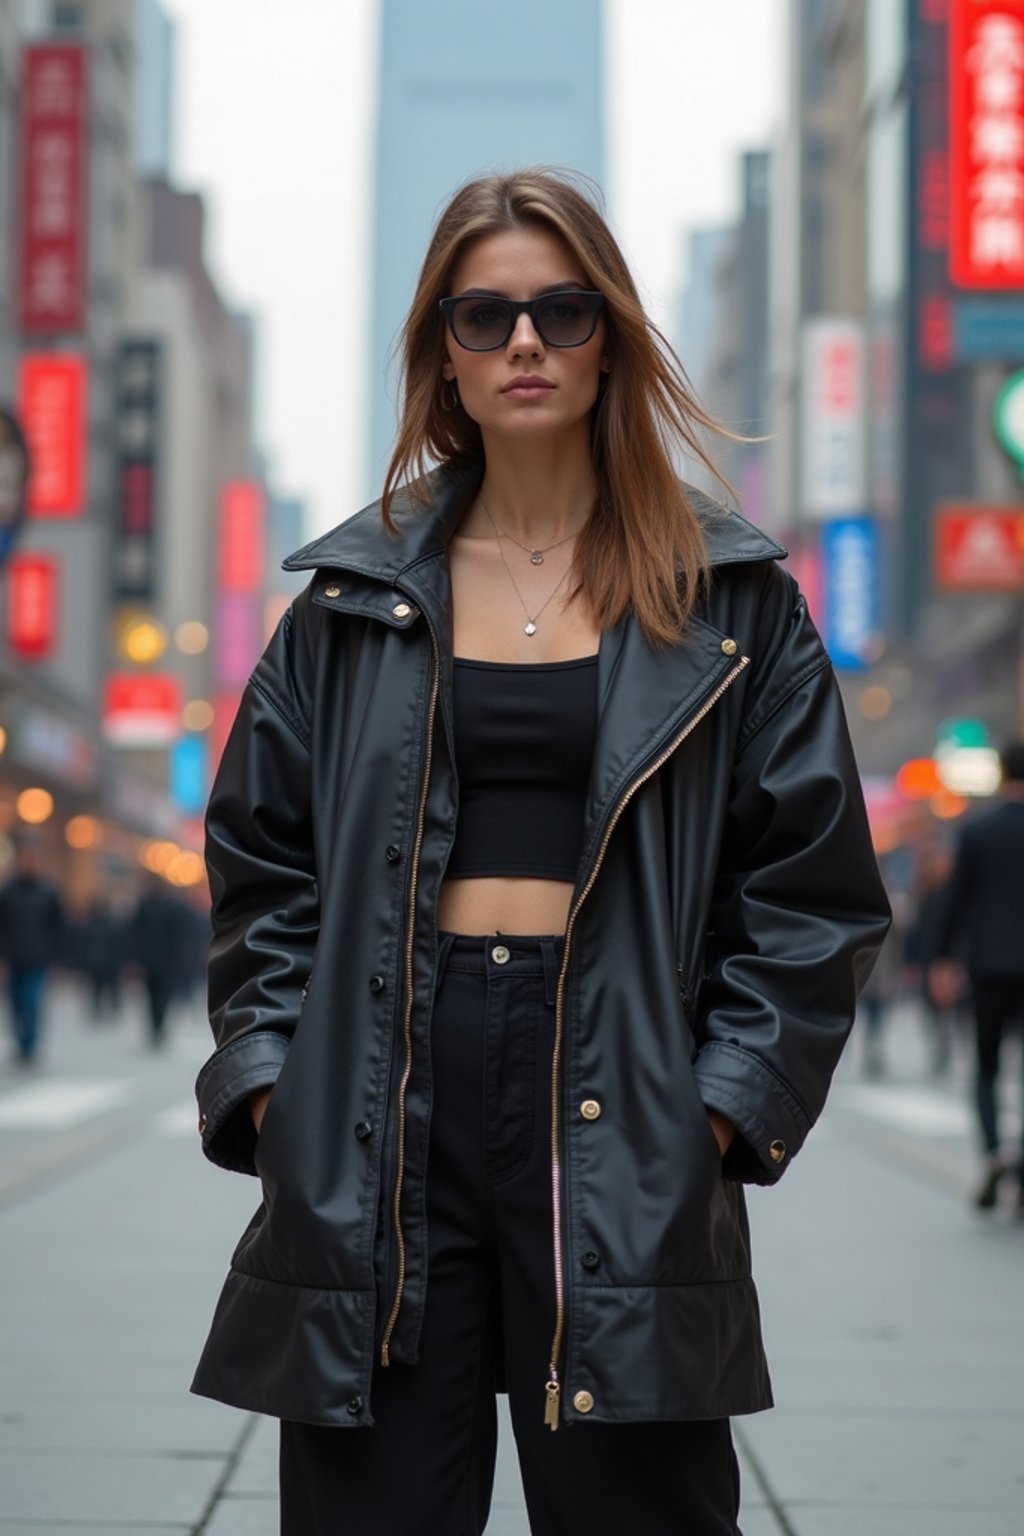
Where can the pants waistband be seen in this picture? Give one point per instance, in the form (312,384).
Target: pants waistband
(497,955)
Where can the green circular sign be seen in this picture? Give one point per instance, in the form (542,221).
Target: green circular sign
(1008,416)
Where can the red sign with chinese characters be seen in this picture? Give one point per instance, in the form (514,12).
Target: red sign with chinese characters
(54,221)
(51,405)
(240,567)
(979,548)
(32,606)
(986,137)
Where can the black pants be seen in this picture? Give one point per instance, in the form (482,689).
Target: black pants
(426,1467)
(998,1002)
(159,992)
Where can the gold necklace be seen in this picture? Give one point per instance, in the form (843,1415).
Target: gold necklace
(536,555)
(530,627)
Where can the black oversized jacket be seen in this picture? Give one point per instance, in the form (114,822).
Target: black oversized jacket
(727,905)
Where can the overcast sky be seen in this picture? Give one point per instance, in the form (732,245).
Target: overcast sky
(275,109)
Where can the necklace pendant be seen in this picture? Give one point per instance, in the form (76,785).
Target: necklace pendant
(530,628)
(536,557)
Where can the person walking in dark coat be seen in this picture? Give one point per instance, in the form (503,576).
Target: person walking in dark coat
(159,946)
(929,900)
(101,945)
(32,933)
(984,923)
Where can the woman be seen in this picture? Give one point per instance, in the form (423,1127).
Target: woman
(542,889)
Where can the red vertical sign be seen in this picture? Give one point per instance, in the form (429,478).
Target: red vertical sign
(240,566)
(54,141)
(986,135)
(52,408)
(225,708)
(32,606)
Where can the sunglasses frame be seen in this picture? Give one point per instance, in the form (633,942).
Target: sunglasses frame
(519,307)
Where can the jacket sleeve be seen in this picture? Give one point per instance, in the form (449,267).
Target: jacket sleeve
(798,912)
(265,901)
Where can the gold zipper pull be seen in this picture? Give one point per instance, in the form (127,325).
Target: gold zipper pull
(552,1392)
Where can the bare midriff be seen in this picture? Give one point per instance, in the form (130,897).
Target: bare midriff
(504,904)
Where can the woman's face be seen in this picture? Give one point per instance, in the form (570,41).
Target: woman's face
(522,264)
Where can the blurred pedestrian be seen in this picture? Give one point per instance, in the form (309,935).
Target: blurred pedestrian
(159,945)
(100,954)
(984,924)
(542,888)
(929,899)
(32,939)
(197,945)
(881,991)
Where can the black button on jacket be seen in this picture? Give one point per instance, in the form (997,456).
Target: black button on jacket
(721,771)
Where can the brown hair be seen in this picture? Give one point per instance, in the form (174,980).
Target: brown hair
(642,548)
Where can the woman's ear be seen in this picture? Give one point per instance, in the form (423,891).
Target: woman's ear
(447,369)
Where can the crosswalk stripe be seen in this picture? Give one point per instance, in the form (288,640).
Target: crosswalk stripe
(919,1111)
(179,1120)
(59,1104)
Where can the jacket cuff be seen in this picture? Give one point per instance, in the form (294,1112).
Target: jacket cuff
(223,1087)
(770,1123)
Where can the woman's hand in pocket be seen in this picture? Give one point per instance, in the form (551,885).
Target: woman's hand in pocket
(723,1130)
(258,1106)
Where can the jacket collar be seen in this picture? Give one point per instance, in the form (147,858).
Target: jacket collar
(364,545)
(645,697)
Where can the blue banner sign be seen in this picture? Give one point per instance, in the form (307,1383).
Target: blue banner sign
(988,330)
(189,771)
(850,561)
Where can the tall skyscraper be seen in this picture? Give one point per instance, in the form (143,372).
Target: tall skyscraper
(467,88)
(154,95)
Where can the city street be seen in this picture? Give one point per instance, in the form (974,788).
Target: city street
(892,1312)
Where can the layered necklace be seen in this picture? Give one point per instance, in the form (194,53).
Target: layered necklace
(536,558)
(536,555)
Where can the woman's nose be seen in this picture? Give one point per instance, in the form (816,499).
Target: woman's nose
(525,339)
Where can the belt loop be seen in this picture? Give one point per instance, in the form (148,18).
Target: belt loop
(551,968)
(444,949)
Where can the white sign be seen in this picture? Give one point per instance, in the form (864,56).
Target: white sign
(832,446)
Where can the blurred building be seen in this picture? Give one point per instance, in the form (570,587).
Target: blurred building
(898,317)
(891,281)
(698,318)
(135,601)
(939,340)
(10,70)
(458,97)
(154,95)
(724,338)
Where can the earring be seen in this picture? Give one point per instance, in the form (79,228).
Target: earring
(449,401)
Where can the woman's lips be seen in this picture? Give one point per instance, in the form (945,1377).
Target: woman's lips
(527,389)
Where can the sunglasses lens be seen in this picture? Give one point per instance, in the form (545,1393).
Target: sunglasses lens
(565,319)
(480,324)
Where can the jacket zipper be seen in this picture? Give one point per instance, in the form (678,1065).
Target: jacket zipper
(552,1387)
(396,1204)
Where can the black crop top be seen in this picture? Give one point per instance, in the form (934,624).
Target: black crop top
(524,740)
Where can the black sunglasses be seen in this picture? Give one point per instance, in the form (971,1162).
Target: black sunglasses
(482,322)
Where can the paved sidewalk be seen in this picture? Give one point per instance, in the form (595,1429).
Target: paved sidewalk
(892,1316)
